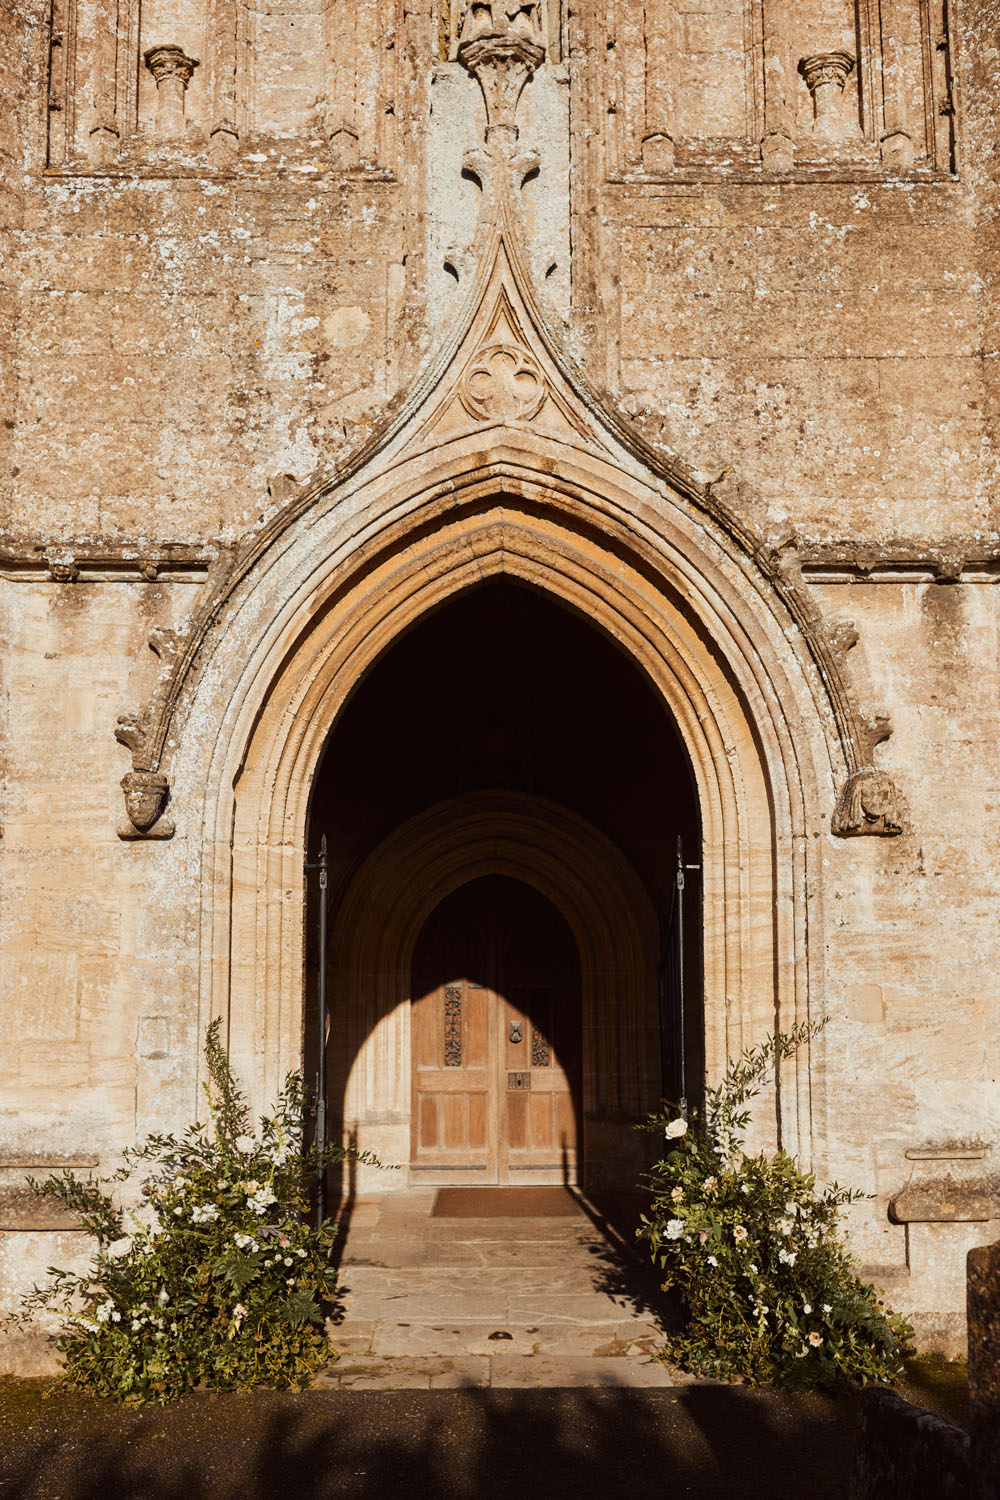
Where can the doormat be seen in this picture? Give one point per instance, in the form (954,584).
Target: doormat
(504,1203)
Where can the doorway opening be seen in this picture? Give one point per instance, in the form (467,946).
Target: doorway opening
(502,797)
(496,1039)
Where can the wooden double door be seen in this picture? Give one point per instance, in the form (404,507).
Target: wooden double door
(495,1039)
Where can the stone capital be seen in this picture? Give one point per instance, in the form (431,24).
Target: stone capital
(826,68)
(169,62)
(826,76)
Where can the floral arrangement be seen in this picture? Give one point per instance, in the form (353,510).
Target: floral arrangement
(215,1278)
(753,1247)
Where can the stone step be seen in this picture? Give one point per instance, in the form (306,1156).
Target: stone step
(625,1338)
(499,1371)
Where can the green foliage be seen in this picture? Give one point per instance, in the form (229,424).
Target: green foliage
(754,1249)
(216,1278)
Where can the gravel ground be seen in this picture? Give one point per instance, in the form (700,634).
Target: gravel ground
(703,1442)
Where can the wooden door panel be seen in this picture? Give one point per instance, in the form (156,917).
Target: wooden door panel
(452,1077)
(495,1052)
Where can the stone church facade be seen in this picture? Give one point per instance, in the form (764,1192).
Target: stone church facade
(547,450)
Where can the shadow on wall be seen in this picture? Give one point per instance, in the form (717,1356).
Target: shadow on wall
(701,1443)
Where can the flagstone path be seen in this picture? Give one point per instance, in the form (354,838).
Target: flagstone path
(433,1303)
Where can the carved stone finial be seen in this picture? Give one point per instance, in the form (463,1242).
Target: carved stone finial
(826,76)
(501,43)
(146,795)
(172,69)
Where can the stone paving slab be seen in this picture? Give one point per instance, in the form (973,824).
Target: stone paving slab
(425,1297)
(500,1371)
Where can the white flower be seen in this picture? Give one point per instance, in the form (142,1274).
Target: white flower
(784,1226)
(712,1260)
(807,1308)
(178,1209)
(245,1241)
(204,1213)
(301,1253)
(118,1248)
(164,1296)
(708,1184)
(815,1339)
(827,1308)
(261,1200)
(246,1144)
(104,1312)
(676,1128)
(744,1189)
(787,1257)
(239,1312)
(289,1261)
(739,1233)
(675,1228)
(677,1194)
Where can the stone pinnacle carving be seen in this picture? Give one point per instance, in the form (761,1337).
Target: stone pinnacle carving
(501,43)
(172,70)
(826,77)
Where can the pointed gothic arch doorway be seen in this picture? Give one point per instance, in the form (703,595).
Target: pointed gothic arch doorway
(504,744)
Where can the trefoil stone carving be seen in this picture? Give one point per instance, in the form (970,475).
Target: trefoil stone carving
(504,383)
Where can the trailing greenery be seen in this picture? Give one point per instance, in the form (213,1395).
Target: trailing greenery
(217,1278)
(754,1248)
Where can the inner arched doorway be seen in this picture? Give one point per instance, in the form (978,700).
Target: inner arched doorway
(504,737)
(496,1038)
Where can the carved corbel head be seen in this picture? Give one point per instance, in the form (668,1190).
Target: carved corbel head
(146,794)
(869,804)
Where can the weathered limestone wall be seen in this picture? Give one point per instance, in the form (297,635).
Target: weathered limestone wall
(198,318)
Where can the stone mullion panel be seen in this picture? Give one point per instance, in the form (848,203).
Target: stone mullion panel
(386,102)
(594,151)
(61,89)
(895,140)
(777,141)
(352,83)
(657,149)
(224,127)
(869,70)
(632,65)
(104,130)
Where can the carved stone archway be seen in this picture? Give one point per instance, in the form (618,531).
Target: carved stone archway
(502,460)
(757,792)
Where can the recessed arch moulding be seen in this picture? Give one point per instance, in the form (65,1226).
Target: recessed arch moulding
(303,627)
(502,462)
